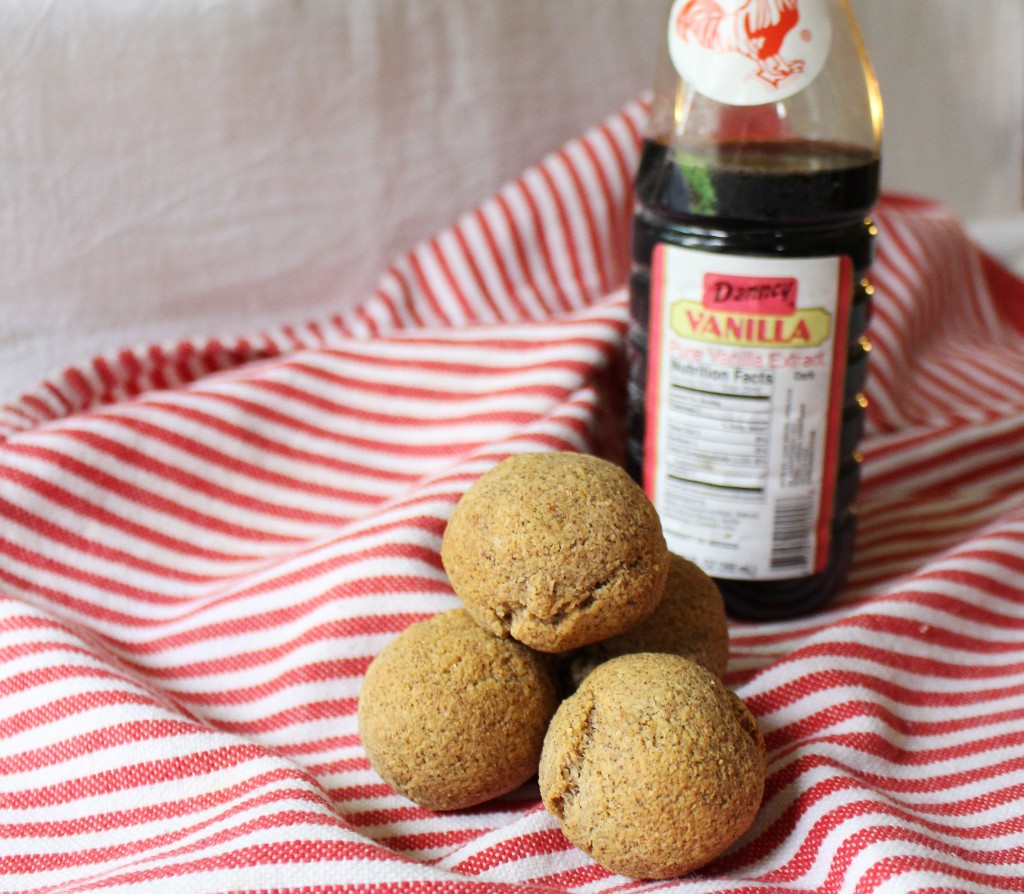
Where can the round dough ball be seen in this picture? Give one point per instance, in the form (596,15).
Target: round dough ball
(450,716)
(556,550)
(653,767)
(690,621)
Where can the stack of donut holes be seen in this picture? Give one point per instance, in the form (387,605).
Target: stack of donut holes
(584,653)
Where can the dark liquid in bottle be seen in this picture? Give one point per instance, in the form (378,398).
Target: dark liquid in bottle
(796,199)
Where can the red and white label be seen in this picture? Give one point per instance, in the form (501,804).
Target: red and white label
(749,52)
(750,294)
(744,408)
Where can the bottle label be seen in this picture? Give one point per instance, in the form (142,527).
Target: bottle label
(749,52)
(744,407)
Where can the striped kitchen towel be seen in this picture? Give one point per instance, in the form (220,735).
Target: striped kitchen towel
(204,544)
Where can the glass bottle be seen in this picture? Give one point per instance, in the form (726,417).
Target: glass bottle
(750,298)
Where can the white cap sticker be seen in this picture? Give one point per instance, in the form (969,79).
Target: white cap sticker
(749,52)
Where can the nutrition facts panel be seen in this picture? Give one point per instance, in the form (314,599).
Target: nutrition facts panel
(719,439)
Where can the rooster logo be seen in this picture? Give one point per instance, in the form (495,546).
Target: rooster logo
(756,29)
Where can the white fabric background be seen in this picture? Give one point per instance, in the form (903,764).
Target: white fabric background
(171,168)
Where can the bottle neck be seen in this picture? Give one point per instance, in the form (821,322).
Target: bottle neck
(766,71)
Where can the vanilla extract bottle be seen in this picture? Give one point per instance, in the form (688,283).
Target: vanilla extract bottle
(749,295)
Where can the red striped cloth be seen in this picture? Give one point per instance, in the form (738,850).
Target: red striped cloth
(204,544)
